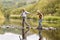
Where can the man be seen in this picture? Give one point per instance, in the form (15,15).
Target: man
(24,15)
(40,18)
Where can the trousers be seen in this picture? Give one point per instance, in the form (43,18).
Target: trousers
(25,21)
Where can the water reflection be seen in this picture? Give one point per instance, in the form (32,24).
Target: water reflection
(11,36)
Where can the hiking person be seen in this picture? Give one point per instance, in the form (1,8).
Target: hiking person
(40,18)
(40,24)
(24,15)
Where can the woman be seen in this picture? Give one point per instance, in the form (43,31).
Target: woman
(40,24)
(40,18)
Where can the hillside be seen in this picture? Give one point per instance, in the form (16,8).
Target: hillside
(16,3)
(49,6)
(46,6)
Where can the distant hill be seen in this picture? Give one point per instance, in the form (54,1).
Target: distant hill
(15,3)
(49,6)
(46,6)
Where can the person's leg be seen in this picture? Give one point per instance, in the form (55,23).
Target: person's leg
(27,22)
(23,21)
(40,35)
(40,23)
(40,29)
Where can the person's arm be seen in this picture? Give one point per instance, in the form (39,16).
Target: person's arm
(27,12)
(42,15)
(37,13)
(21,14)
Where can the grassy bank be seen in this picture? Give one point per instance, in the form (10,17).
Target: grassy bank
(48,21)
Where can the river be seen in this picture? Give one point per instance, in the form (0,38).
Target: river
(12,36)
(12,33)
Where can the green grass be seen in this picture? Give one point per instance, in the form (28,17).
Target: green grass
(34,21)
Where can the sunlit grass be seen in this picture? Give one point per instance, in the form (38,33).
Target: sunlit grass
(46,21)
(1,18)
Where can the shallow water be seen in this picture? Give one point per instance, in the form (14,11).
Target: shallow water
(12,36)
(50,35)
